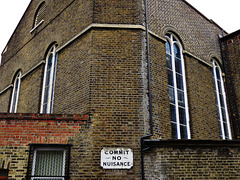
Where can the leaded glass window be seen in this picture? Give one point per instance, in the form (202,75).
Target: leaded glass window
(48,163)
(177,89)
(223,118)
(15,93)
(49,81)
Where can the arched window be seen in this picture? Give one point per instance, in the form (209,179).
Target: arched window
(177,89)
(40,14)
(223,117)
(15,93)
(49,81)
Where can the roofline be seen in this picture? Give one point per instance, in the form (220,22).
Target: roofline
(209,20)
(186,143)
(15,28)
(231,35)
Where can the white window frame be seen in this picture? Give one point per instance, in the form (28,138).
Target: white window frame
(52,77)
(217,93)
(48,149)
(174,40)
(15,93)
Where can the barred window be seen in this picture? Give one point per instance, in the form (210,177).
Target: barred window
(49,162)
(15,93)
(223,118)
(177,89)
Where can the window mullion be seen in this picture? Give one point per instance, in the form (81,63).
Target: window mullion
(50,84)
(12,99)
(17,93)
(225,107)
(185,96)
(44,82)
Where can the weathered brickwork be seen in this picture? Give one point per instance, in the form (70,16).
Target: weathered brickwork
(57,14)
(5,100)
(116,97)
(159,85)
(198,34)
(17,131)
(198,161)
(202,101)
(30,93)
(118,12)
(73,71)
(102,71)
(230,46)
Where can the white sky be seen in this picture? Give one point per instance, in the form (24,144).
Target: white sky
(224,12)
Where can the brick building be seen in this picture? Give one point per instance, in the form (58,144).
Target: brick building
(119,90)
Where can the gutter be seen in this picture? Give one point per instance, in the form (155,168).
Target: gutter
(149,97)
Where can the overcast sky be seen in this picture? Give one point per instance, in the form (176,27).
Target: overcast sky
(224,12)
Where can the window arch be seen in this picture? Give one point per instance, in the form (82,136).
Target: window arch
(49,81)
(40,14)
(223,118)
(15,93)
(177,88)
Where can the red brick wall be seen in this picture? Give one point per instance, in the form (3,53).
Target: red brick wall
(19,130)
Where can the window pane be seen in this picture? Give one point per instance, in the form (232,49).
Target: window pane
(171,95)
(49,62)
(179,81)
(218,74)
(183,132)
(181,101)
(219,86)
(46,95)
(225,128)
(169,61)
(182,117)
(224,115)
(49,163)
(170,78)
(176,51)
(174,130)
(178,65)
(172,113)
(168,48)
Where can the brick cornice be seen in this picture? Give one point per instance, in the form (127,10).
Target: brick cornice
(191,143)
(36,116)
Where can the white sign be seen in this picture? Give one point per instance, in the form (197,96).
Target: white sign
(116,158)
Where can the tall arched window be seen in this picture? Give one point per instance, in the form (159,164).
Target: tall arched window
(49,81)
(15,93)
(223,117)
(177,89)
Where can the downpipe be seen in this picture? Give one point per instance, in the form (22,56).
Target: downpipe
(149,96)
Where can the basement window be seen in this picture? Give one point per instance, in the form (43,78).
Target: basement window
(48,161)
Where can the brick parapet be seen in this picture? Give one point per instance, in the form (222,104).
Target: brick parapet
(192,159)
